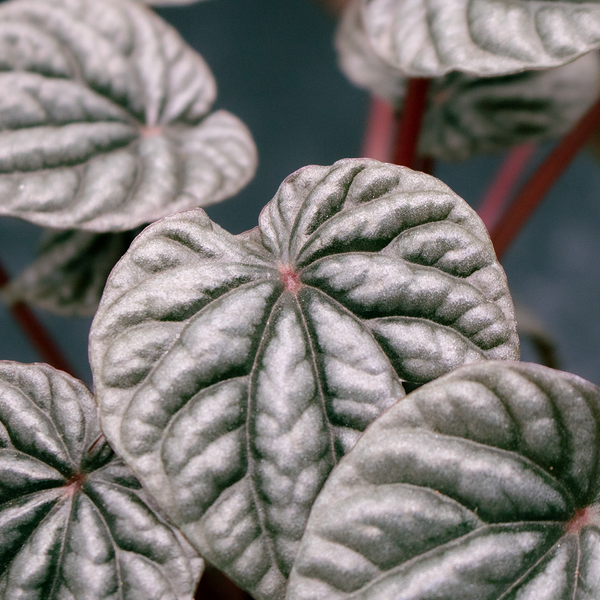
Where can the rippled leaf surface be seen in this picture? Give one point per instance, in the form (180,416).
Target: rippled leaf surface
(105,119)
(70,273)
(233,371)
(482,485)
(426,38)
(469,115)
(74,521)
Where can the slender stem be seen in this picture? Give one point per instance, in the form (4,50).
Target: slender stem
(35,331)
(541,181)
(380,130)
(410,122)
(425,163)
(498,194)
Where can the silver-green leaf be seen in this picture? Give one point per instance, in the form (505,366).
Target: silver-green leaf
(105,119)
(70,273)
(469,115)
(74,521)
(481,485)
(425,38)
(233,372)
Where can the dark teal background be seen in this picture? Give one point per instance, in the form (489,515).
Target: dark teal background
(275,66)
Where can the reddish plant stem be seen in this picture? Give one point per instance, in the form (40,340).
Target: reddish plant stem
(425,163)
(541,181)
(214,585)
(35,331)
(410,122)
(498,194)
(380,130)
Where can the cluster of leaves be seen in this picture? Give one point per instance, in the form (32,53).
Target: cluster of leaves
(235,374)
(489,91)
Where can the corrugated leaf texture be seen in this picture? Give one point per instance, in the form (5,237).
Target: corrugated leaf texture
(74,521)
(469,115)
(234,371)
(425,38)
(105,119)
(482,485)
(466,114)
(70,273)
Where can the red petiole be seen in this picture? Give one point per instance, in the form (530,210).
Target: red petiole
(380,130)
(407,140)
(534,190)
(498,194)
(36,332)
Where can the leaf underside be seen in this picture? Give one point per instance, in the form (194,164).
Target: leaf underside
(70,273)
(233,372)
(481,37)
(104,118)
(481,485)
(74,521)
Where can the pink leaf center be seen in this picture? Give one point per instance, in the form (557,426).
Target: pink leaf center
(74,484)
(151,131)
(290,278)
(584,516)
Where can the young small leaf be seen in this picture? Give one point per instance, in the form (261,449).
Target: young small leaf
(481,485)
(232,372)
(74,521)
(481,37)
(70,272)
(104,118)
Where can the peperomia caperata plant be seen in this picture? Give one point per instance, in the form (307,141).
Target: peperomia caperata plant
(235,375)
(481,484)
(106,118)
(360,276)
(74,520)
(107,125)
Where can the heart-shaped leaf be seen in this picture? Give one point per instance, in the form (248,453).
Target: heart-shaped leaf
(104,118)
(74,521)
(482,485)
(482,37)
(70,273)
(232,372)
